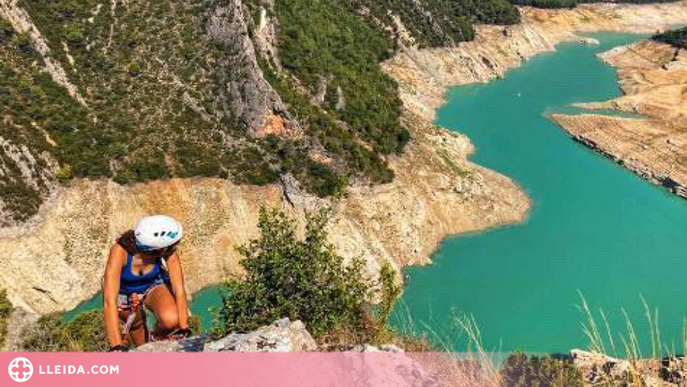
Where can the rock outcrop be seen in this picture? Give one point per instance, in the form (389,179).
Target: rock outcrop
(281,336)
(247,96)
(599,370)
(653,76)
(363,365)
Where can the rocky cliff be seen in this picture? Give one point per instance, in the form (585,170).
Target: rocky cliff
(653,76)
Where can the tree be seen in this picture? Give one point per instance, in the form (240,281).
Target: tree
(299,278)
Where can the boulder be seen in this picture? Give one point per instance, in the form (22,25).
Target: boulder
(599,368)
(281,336)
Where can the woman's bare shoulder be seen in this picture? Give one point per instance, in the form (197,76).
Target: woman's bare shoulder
(117,253)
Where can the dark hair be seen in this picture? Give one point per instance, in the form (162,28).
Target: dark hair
(128,241)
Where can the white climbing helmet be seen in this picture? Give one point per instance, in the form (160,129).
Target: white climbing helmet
(157,232)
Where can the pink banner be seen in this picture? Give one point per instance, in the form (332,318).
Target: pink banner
(237,369)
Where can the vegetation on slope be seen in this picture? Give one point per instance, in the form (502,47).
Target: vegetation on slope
(676,38)
(435,23)
(5,311)
(521,370)
(164,95)
(157,87)
(574,3)
(85,333)
(547,3)
(325,43)
(137,66)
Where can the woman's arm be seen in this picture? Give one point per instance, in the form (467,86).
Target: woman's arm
(176,275)
(113,272)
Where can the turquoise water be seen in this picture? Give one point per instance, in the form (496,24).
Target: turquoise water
(594,227)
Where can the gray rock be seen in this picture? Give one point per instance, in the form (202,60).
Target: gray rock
(281,336)
(246,95)
(598,368)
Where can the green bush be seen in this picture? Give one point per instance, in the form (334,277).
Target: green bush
(676,38)
(5,311)
(302,279)
(521,370)
(436,23)
(547,3)
(85,333)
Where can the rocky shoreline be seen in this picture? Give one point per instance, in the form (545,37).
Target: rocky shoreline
(653,77)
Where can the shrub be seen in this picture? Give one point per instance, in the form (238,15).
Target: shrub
(5,311)
(302,279)
(521,370)
(390,291)
(676,38)
(85,333)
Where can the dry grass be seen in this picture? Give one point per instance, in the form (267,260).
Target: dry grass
(628,346)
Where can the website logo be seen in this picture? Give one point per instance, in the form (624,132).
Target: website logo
(20,369)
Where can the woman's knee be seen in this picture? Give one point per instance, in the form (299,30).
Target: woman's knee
(168,320)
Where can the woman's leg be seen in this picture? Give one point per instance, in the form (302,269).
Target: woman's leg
(138,333)
(161,301)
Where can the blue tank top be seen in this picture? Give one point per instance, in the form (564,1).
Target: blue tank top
(131,283)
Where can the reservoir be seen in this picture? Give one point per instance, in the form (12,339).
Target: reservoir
(595,228)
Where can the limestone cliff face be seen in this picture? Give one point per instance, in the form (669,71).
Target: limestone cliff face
(653,76)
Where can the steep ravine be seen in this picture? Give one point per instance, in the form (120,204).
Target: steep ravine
(57,262)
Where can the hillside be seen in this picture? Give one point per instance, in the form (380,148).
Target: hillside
(207,113)
(246,90)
